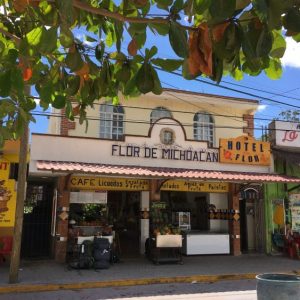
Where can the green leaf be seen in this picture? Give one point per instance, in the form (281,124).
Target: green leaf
(124,73)
(264,43)
(237,74)
(157,88)
(141,39)
(164,4)
(261,9)
(202,5)
(12,56)
(5,83)
(34,36)
(136,28)
(99,50)
(66,10)
(150,53)
(74,61)
(131,87)
(276,10)
(144,79)
(291,20)
(296,37)
(161,29)
(279,45)
(178,40)
(222,9)
(73,84)
(249,40)
(48,40)
(274,71)
(177,6)
(59,101)
(66,37)
(69,111)
(45,92)
(16,78)
(168,64)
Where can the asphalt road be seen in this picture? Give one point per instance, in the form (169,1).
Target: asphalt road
(173,291)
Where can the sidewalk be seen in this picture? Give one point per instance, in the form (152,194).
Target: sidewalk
(244,295)
(48,275)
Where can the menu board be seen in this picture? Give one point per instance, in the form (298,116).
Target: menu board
(295,211)
(88,197)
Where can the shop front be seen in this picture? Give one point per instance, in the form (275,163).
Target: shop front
(160,189)
(283,199)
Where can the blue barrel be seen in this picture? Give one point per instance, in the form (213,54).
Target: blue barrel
(278,287)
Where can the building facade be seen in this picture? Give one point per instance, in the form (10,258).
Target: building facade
(282,199)
(154,165)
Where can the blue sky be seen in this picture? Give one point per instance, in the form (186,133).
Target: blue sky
(287,86)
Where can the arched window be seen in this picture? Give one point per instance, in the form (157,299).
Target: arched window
(204,127)
(158,113)
(111,121)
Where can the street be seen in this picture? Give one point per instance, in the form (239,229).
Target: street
(193,290)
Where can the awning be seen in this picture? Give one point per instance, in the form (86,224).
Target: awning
(162,173)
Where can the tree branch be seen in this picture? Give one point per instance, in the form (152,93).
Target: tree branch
(116,16)
(10,35)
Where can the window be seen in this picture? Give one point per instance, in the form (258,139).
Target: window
(158,113)
(204,128)
(111,121)
(14,169)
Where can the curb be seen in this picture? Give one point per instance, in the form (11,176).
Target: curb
(25,288)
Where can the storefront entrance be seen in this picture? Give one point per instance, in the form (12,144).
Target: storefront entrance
(36,234)
(252,221)
(115,214)
(123,213)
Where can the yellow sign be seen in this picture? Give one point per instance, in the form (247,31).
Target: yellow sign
(244,150)
(195,186)
(108,184)
(7,196)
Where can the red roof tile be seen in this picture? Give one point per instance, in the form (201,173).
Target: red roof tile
(156,172)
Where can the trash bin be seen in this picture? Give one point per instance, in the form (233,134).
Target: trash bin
(278,287)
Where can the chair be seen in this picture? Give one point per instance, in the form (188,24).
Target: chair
(5,246)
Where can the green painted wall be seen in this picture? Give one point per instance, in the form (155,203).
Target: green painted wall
(277,191)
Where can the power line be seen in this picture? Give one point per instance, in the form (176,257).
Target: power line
(186,112)
(231,89)
(165,123)
(186,101)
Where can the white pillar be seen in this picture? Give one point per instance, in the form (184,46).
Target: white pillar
(145,203)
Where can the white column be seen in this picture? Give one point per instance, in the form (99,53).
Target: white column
(145,203)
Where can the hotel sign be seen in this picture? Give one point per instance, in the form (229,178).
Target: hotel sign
(244,150)
(195,186)
(107,184)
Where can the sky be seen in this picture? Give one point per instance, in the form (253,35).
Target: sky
(287,87)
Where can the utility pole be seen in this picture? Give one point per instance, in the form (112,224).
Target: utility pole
(21,194)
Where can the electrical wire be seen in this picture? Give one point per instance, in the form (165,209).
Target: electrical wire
(164,123)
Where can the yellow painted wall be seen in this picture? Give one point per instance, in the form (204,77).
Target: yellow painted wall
(8,188)
(186,106)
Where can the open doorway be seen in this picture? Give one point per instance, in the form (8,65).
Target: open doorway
(123,214)
(36,233)
(252,221)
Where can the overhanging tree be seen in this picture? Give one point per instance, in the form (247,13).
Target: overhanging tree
(39,47)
